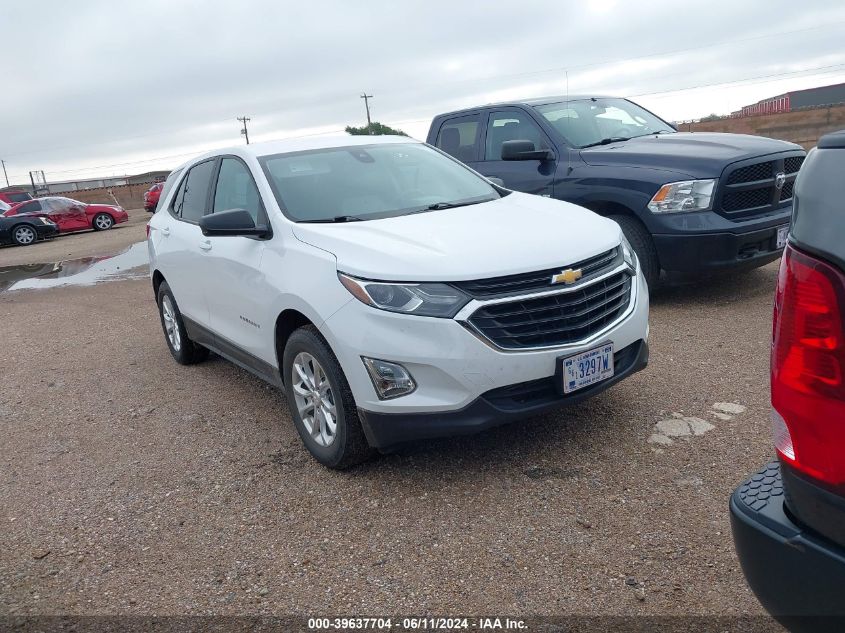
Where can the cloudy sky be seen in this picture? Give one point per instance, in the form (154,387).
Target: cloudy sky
(99,88)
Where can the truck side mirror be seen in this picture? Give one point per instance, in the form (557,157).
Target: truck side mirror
(524,150)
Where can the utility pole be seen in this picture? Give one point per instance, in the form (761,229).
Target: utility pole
(4,172)
(366,99)
(244,131)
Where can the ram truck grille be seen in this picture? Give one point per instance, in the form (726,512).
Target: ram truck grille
(758,188)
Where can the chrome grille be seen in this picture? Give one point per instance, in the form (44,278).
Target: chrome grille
(555,319)
(538,280)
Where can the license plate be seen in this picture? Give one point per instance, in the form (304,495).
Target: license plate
(783,232)
(587,368)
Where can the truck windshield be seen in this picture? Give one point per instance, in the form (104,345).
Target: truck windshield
(588,122)
(367,182)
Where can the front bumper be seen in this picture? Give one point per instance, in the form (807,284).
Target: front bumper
(797,575)
(46,230)
(706,241)
(452,366)
(494,408)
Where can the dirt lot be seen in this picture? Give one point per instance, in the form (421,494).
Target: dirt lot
(83,244)
(130,484)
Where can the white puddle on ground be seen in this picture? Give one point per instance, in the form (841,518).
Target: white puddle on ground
(130,263)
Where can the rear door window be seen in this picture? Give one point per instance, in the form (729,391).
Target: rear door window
(191,201)
(459,138)
(32,207)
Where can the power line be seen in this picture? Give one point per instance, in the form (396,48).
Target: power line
(244,131)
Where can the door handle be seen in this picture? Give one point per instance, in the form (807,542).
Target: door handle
(206,245)
(165,231)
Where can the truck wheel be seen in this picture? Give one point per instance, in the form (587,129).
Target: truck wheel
(643,246)
(321,404)
(183,349)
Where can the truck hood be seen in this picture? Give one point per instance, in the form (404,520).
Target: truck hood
(698,154)
(514,234)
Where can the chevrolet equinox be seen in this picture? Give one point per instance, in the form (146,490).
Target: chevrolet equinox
(393,293)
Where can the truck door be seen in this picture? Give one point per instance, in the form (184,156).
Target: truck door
(528,176)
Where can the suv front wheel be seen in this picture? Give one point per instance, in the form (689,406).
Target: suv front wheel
(321,404)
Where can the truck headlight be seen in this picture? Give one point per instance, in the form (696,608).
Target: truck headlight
(683,196)
(424,299)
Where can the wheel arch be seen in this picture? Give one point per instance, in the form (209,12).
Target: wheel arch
(158,279)
(288,321)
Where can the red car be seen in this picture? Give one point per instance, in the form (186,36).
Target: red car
(71,215)
(14,197)
(152,195)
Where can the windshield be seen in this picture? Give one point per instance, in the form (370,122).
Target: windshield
(588,122)
(365,182)
(19,196)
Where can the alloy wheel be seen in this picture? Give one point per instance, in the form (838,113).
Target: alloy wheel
(103,221)
(24,235)
(168,313)
(315,399)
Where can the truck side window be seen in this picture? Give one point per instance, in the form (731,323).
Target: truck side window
(511,125)
(458,138)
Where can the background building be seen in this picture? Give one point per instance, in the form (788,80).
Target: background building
(789,101)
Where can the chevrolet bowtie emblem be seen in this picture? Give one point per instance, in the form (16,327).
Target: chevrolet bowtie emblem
(567,276)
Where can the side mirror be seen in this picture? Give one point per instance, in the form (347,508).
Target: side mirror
(496,181)
(231,223)
(524,150)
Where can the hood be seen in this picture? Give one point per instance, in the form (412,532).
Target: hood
(698,154)
(514,234)
(104,207)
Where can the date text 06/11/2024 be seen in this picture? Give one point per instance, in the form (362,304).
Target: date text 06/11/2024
(416,624)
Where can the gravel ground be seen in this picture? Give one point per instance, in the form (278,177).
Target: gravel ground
(82,244)
(132,485)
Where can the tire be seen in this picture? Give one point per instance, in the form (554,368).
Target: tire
(102,222)
(643,246)
(183,349)
(344,446)
(24,235)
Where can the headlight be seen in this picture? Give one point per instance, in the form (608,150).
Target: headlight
(628,253)
(47,221)
(680,197)
(426,299)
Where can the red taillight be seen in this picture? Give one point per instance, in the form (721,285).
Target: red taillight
(148,230)
(808,366)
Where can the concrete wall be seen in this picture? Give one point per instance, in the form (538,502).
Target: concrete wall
(801,126)
(128,196)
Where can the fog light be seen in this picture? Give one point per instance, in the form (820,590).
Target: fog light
(391,380)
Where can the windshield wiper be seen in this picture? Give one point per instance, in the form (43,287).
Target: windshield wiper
(334,220)
(605,141)
(451,205)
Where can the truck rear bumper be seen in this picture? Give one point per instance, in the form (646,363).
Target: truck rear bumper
(798,577)
(704,252)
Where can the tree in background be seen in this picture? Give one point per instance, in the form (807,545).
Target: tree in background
(373,128)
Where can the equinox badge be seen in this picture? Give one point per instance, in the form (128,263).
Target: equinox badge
(567,276)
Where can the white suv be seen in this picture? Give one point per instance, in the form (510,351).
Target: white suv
(392,292)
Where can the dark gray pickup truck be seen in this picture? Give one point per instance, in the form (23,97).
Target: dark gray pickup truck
(689,203)
(788,519)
